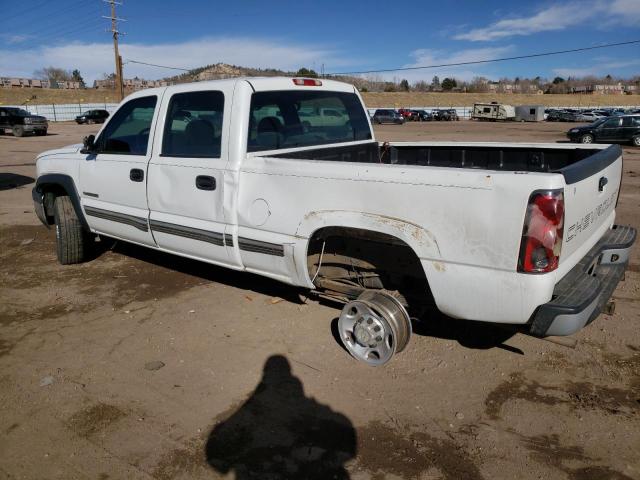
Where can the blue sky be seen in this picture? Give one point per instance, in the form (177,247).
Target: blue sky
(342,35)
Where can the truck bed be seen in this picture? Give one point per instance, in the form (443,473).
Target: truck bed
(564,159)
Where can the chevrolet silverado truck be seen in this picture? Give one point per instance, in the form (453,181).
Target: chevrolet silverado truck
(19,121)
(226,172)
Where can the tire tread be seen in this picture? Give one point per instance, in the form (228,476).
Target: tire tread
(71,244)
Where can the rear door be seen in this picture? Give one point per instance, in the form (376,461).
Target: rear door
(187,175)
(630,128)
(113,185)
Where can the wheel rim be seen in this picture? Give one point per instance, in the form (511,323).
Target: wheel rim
(636,141)
(374,327)
(587,139)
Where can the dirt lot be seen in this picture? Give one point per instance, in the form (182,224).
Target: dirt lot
(20,96)
(141,365)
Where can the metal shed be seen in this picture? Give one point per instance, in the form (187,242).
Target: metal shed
(530,113)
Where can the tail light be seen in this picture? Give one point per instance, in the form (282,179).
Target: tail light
(307,82)
(542,233)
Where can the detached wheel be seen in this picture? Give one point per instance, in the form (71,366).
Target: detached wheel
(588,138)
(71,239)
(18,131)
(374,327)
(635,141)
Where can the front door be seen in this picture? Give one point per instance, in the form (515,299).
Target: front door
(113,183)
(609,131)
(187,176)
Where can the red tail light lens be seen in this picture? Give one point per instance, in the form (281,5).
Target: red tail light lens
(307,82)
(542,233)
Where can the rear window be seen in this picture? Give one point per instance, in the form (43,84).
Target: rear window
(289,119)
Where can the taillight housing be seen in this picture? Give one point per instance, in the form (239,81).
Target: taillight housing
(542,233)
(307,82)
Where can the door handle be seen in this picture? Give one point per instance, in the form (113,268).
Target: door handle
(204,182)
(136,175)
(601,183)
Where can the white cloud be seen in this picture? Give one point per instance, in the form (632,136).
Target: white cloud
(93,59)
(12,39)
(604,13)
(598,69)
(424,57)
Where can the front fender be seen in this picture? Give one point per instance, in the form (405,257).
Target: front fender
(66,183)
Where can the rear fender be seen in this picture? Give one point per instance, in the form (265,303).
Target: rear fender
(421,240)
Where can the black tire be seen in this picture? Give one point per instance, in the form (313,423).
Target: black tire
(41,133)
(635,141)
(18,131)
(587,138)
(71,239)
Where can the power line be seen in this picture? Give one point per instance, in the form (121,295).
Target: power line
(504,59)
(159,66)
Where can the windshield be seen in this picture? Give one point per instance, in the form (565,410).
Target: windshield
(289,119)
(598,122)
(88,112)
(20,112)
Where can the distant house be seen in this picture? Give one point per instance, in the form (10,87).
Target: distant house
(604,89)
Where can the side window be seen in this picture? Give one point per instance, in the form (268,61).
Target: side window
(194,125)
(611,123)
(128,131)
(532,111)
(486,110)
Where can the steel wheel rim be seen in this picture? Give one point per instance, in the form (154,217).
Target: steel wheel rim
(374,327)
(359,319)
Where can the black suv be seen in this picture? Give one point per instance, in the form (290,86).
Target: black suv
(92,116)
(625,128)
(384,115)
(20,121)
(450,115)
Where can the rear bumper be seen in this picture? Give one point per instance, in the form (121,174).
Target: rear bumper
(582,294)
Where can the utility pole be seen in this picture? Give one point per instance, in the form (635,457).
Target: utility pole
(119,81)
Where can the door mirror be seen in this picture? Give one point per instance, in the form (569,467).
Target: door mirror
(89,145)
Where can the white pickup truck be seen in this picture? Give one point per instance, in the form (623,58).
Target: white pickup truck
(230,173)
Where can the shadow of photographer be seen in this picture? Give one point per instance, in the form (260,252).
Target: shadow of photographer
(280,433)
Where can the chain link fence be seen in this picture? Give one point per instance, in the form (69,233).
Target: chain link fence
(66,111)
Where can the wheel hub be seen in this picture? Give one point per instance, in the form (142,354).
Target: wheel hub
(368,331)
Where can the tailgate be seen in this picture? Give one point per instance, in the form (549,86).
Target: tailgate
(590,196)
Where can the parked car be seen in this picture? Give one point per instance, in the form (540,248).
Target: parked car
(445,115)
(587,117)
(20,121)
(389,230)
(421,115)
(92,116)
(406,114)
(553,116)
(624,128)
(386,115)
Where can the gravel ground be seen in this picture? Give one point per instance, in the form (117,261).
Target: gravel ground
(143,365)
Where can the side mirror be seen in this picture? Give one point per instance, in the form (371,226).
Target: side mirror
(89,145)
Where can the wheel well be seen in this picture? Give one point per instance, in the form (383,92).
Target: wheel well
(345,261)
(50,192)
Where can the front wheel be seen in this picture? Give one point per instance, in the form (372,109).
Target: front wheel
(636,141)
(18,131)
(588,138)
(71,239)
